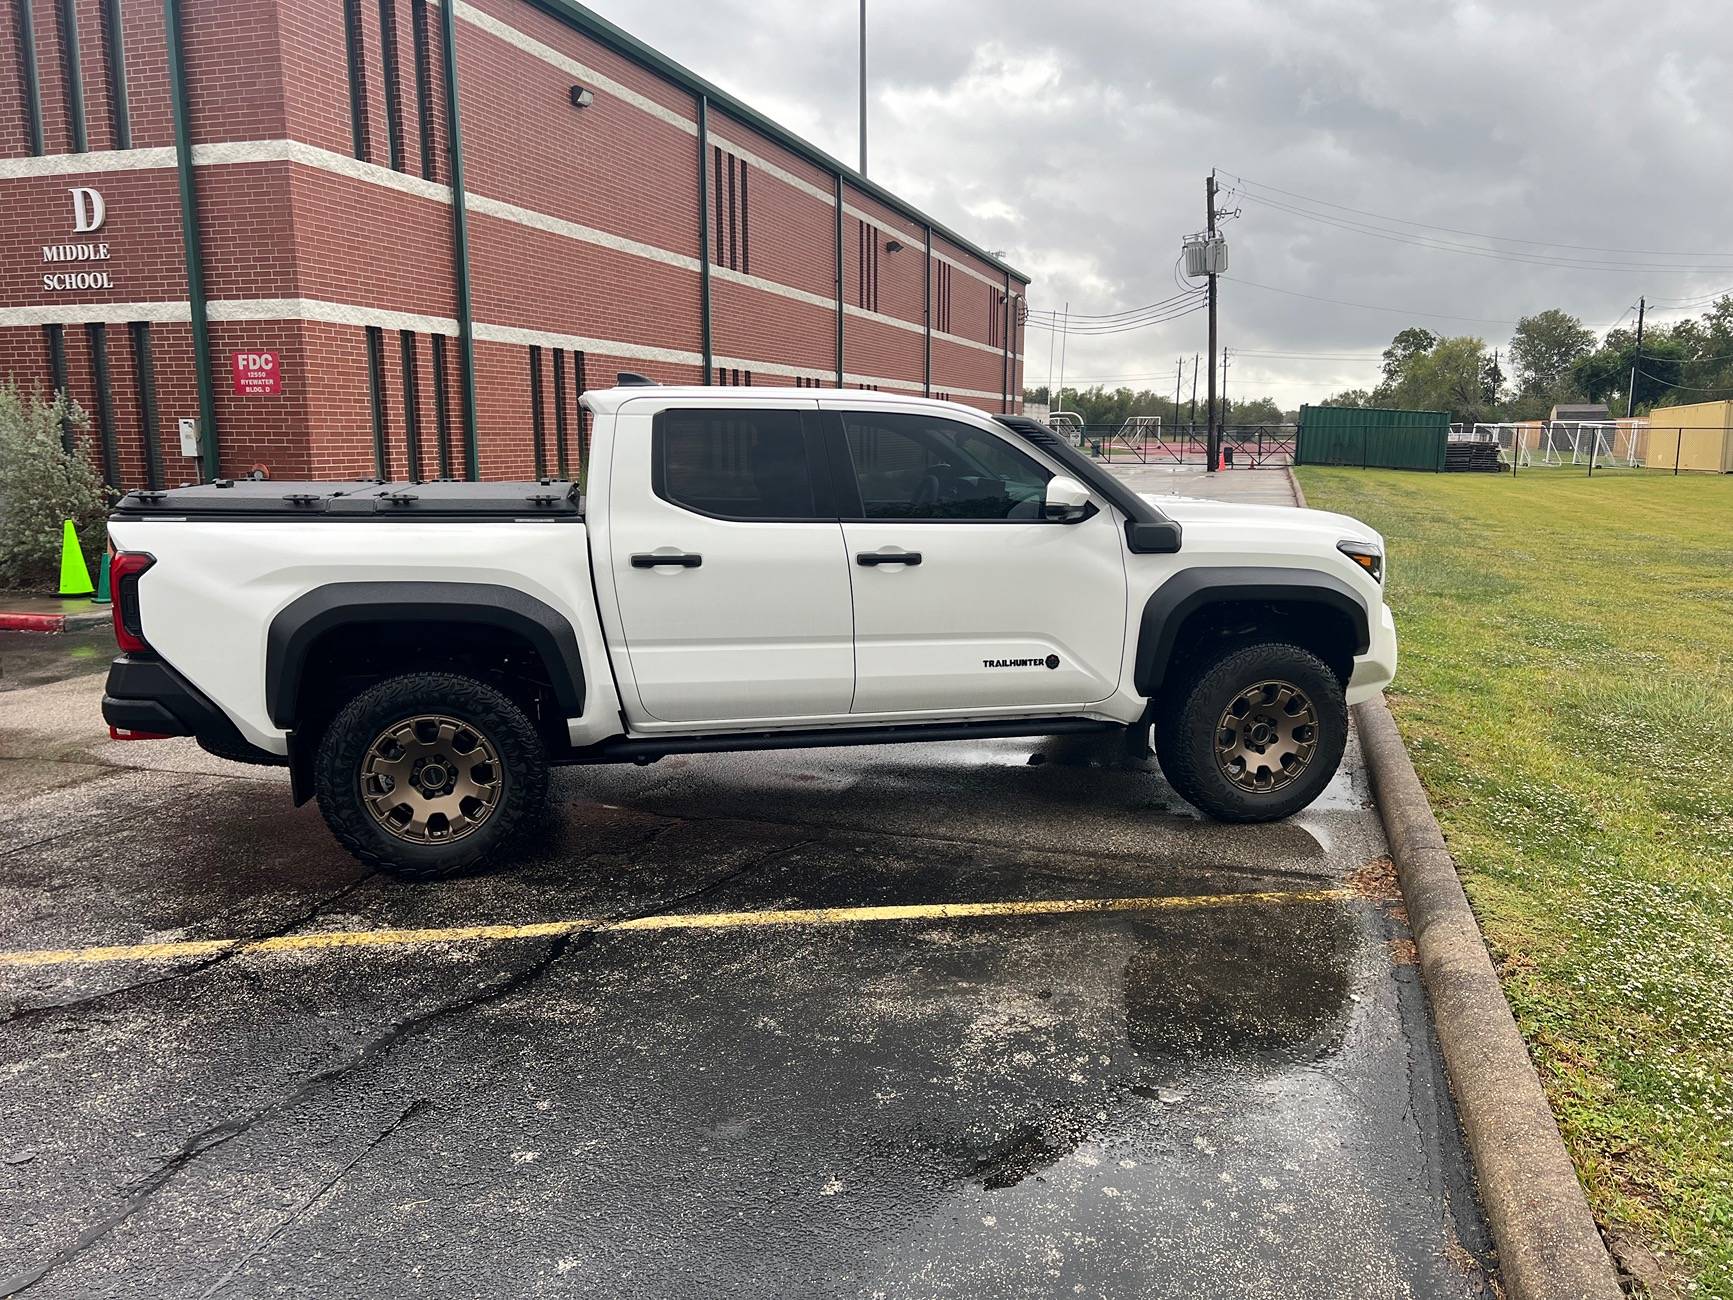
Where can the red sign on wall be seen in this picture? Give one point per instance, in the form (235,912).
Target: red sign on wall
(257,374)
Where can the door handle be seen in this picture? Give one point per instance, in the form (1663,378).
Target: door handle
(871,558)
(679,560)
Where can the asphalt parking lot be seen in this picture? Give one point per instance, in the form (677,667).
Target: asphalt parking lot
(999,1019)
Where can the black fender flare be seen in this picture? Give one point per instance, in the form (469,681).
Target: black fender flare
(298,626)
(1190,590)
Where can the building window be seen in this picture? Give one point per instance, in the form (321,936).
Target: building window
(361,135)
(393,87)
(145,377)
(441,413)
(538,424)
(114,54)
(71,71)
(411,404)
(580,386)
(424,87)
(560,460)
(376,394)
(56,339)
(98,336)
(942,307)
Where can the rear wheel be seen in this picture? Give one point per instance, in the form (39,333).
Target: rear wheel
(428,774)
(1256,735)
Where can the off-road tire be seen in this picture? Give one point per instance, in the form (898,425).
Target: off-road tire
(1186,730)
(338,767)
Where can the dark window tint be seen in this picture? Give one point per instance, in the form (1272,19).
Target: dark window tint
(921,467)
(737,464)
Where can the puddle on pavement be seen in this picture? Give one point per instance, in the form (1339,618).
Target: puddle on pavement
(1268,985)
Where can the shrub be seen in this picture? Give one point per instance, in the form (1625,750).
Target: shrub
(42,486)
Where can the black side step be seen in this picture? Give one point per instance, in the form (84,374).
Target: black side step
(647,749)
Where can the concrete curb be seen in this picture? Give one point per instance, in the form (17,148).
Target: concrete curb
(1548,1245)
(1294,483)
(21,622)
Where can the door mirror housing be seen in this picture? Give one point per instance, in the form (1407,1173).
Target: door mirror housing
(1067,500)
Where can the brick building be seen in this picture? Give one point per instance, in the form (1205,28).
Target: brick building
(244,214)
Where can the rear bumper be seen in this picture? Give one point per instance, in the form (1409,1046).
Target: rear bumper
(145,695)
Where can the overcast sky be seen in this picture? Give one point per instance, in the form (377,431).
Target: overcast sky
(1076,137)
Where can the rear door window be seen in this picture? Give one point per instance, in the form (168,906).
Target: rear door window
(737,464)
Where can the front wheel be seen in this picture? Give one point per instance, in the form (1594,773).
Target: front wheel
(1255,735)
(427,774)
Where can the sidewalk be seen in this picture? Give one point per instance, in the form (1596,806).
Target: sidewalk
(1258,487)
(49,613)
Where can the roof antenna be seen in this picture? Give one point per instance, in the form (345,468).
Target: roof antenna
(632,379)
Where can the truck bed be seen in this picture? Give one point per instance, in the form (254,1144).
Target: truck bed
(357,500)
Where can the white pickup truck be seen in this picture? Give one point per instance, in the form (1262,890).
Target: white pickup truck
(738,568)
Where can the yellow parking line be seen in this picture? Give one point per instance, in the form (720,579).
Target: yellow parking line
(334,939)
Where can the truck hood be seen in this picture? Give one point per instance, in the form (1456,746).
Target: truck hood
(1273,521)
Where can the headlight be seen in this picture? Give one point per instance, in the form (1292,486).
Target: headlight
(1368,555)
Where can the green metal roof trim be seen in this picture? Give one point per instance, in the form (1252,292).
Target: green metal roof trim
(593,24)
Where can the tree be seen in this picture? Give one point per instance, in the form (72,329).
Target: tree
(1450,376)
(1404,348)
(1352,397)
(1260,410)
(1544,349)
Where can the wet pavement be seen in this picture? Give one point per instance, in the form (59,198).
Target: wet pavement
(1229,1089)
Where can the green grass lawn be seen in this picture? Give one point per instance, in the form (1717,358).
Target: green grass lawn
(1566,690)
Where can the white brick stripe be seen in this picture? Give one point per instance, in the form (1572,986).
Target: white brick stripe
(95,313)
(72,164)
(355,316)
(584,234)
(771,286)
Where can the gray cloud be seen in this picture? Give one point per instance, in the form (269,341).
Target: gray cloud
(1076,137)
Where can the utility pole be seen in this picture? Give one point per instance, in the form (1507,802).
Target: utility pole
(1224,423)
(863,4)
(1178,374)
(1636,360)
(1214,445)
(1064,331)
(1191,423)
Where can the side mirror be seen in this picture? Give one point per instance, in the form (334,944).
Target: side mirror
(1067,500)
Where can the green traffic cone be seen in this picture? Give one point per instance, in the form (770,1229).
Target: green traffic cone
(102,596)
(74,574)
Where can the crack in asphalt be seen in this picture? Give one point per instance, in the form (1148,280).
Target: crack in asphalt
(288,1221)
(220,1134)
(310,914)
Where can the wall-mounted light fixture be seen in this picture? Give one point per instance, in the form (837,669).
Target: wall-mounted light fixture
(582,97)
(894,246)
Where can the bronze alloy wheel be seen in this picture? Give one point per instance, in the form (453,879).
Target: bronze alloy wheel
(1266,736)
(430,779)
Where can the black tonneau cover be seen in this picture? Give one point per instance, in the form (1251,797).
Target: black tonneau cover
(357,500)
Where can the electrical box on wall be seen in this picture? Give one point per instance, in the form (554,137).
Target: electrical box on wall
(189,437)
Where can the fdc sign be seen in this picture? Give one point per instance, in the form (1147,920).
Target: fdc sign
(257,374)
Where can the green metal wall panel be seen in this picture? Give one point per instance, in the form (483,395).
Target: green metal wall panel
(1372,437)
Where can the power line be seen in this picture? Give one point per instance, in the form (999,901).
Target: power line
(1112,315)
(1689,388)
(1477,234)
(1469,250)
(1195,304)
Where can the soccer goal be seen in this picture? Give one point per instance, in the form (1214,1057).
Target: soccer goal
(1513,446)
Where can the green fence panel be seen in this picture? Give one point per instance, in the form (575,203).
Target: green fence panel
(1372,437)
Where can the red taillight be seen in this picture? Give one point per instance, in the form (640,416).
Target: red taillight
(124,572)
